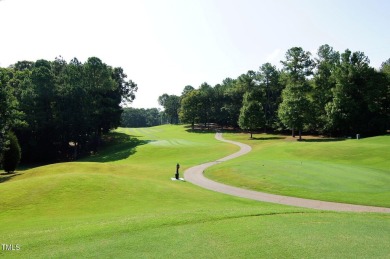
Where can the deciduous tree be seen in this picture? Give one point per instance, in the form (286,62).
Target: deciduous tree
(171,104)
(251,115)
(190,108)
(295,107)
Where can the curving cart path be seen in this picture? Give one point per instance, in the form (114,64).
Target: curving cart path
(195,175)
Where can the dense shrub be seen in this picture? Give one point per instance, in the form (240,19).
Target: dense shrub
(12,155)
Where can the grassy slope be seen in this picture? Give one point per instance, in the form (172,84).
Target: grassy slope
(351,171)
(128,207)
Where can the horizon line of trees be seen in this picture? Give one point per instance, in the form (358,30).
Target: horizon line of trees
(334,93)
(60,110)
(140,117)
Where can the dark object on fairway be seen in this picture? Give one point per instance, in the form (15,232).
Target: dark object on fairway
(177,171)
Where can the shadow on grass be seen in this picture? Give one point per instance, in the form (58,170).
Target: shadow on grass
(116,146)
(201,131)
(198,130)
(7,176)
(267,138)
(323,140)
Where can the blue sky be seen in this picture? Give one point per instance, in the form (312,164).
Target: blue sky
(164,45)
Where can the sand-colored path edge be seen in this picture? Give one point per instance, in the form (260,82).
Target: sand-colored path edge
(195,175)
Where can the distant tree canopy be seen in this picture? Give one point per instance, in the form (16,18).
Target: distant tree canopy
(135,118)
(10,115)
(331,93)
(58,109)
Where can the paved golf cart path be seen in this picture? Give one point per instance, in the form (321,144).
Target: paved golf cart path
(195,176)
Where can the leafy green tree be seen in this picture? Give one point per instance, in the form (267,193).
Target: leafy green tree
(235,90)
(324,82)
(190,107)
(10,115)
(377,101)
(12,155)
(133,117)
(23,65)
(125,88)
(171,104)
(252,116)
(5,104)
(153,117)
(187,89)
(357,104)
(385,67)
(220,114)
(206,104)
(269,83)
(385,70)
(294,111)
(232,101)
(72,112)
(41,113)
(298,64)
(68,106)
(104,98)
(26,95)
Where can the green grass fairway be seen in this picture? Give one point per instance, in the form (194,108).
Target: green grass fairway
(122,203)
(350,171)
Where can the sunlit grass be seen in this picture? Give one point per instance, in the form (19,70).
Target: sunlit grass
(121,203)
(351,171)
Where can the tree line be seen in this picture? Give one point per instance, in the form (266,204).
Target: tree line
(333,93)
(60,110)
(139,117)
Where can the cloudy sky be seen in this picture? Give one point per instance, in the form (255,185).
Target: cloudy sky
(164,45)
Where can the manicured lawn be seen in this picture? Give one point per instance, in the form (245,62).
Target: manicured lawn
(122,204)
(350,171)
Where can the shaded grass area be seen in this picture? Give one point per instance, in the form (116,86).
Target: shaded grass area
(117,146)
(114,146)
(267,138)
(7,176)
(350,171)
(323,140)
(129,208)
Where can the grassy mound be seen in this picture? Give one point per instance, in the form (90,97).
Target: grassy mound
(121,203)
(350,171)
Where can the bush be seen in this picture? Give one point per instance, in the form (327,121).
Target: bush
(12,155)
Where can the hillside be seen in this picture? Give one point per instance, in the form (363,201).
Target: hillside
(122,203)
(349,171)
